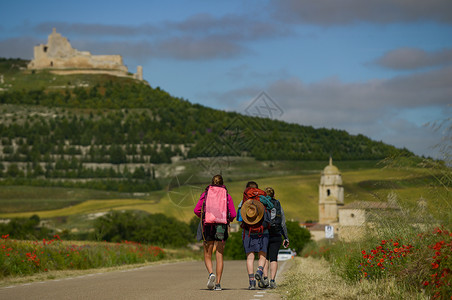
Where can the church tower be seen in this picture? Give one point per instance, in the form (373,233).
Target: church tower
(331,194)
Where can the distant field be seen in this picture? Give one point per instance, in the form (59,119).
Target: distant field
(15,199)
(297,193)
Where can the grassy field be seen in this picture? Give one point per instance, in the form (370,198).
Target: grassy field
(17,199)
(298,193)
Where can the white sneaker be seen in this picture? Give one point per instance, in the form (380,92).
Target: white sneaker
(211,281)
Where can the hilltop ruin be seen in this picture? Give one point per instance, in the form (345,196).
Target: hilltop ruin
(59,57)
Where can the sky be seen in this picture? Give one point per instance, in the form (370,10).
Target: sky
(381,68)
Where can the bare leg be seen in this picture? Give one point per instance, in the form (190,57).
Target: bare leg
(219,257)
(250,262)
(262,258)
(208,249)
(274,269)
(266,266)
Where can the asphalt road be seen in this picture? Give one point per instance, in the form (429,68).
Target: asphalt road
(183,280)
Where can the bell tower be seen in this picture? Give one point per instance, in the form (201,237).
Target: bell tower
(331,194)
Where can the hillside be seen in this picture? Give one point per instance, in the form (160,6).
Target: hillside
(298,193)
(111,133)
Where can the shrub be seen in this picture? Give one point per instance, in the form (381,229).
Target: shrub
(234,246)
(157,229)
(29,257)
(298,236)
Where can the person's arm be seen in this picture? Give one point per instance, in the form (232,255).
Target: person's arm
(231,209)
(198,206)
(283,225)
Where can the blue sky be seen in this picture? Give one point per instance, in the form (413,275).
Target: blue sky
(382,68)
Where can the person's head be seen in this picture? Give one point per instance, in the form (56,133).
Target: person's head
(217,180)
(270,191)
(252,184)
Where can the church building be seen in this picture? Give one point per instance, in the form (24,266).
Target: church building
(331,198)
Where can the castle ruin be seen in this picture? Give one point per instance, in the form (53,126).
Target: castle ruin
(59,57)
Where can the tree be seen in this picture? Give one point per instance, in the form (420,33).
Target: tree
(193,224)
(156,229)
(14,171)
(117,155)
(234,246)
(298,236)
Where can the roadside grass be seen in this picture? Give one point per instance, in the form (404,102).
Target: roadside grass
(310,278)
(173,256)
(410,249)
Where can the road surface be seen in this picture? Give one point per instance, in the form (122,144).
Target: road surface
(183,280)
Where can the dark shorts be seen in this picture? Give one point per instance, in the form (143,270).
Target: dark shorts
(255,242)
(274,243)
(210,232)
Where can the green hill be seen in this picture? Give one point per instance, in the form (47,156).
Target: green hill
(111,133)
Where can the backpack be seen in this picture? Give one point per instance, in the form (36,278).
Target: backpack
(275,218)
(254,194)
(216,205)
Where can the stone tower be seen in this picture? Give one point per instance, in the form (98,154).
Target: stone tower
(139,74)
(331,194)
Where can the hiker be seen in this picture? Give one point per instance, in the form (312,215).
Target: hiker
(277,228)
(216,210)
(255,216)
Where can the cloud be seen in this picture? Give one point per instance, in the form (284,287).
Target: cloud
(200,36)
(189,48)
(383,109)
(236,27)
(363,101)
(92,29)
(175,48)
(342,12)
(414,58)
(20,47)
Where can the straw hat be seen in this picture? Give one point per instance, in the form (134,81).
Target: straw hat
(252,211)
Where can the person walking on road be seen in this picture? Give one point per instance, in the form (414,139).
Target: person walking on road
(277,228)
(255,222)
(216,210)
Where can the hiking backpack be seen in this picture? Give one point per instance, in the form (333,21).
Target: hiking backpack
(254,194)
(216,205)
(276,218)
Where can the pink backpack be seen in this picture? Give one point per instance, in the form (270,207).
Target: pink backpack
(216,205)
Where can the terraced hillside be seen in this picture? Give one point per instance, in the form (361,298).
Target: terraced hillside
(109,133)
